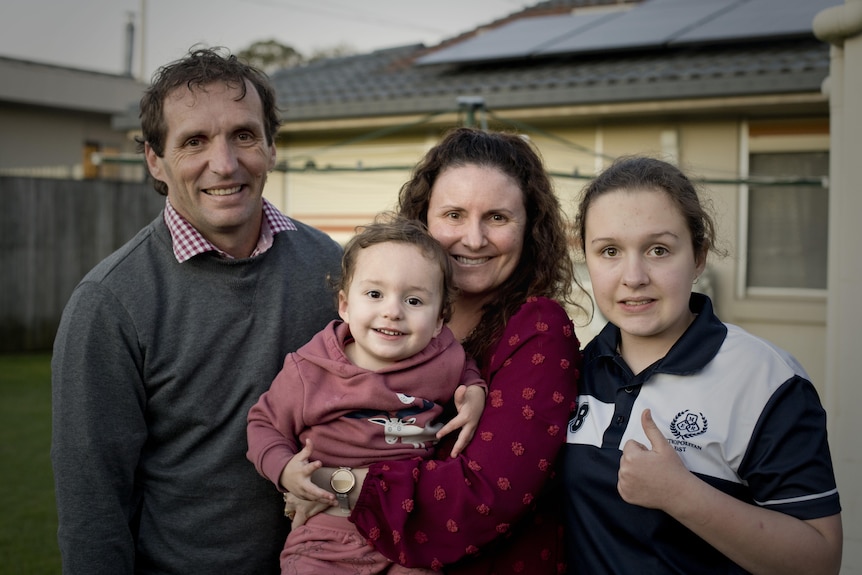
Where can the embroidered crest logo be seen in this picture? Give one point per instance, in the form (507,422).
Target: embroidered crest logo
(688,424)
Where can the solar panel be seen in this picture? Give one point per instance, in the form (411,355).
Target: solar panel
(650,24)
(518,39)
(758,19)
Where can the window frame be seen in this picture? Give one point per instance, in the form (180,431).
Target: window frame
(773,137)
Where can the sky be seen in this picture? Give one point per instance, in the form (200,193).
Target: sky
(91,34)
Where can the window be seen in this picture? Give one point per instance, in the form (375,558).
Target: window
(786,204)
(787,224)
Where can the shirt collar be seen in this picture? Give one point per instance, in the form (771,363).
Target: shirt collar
(691,352)
(189,242)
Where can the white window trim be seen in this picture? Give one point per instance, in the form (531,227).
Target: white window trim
(742,228)
(800,143)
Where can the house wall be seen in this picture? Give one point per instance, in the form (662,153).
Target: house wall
(705,147)
(49,142)
(337,196)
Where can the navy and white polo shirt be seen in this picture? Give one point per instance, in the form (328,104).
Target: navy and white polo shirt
(741,413)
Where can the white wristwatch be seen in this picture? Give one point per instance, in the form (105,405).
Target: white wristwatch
(343,481)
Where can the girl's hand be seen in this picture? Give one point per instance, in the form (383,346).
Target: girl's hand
(651,477)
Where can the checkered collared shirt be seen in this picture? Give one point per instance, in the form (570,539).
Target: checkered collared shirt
(188,242)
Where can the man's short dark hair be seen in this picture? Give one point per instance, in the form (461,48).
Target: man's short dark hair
(199,68)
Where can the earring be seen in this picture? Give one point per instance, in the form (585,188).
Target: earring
(696,279)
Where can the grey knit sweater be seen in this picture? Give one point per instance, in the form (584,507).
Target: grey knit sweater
(155,367)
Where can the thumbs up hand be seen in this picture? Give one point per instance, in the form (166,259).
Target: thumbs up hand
(651,477)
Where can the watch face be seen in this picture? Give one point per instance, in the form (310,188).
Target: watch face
(342,481)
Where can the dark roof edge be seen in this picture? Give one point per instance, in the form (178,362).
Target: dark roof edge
(684,88)
(73,69)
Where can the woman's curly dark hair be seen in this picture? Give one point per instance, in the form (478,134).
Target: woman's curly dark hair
(546,267)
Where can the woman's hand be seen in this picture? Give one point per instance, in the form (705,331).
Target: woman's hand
(470,403)
(300,510)
(296,478)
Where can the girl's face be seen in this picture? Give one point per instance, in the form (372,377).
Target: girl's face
(477,214)
(642,264)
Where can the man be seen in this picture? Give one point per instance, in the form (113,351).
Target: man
(166,344)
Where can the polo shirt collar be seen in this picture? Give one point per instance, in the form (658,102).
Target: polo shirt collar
(698,345)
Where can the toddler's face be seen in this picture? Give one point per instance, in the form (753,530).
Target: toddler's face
(392,304)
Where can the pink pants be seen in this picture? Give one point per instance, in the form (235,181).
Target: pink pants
(332,545)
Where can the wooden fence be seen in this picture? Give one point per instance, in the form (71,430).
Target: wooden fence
(52,232)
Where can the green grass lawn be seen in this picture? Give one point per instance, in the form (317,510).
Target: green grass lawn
(28,518)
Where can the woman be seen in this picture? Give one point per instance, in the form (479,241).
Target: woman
(493,508)
(725,467)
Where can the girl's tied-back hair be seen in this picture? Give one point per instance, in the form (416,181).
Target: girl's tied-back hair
(648,173)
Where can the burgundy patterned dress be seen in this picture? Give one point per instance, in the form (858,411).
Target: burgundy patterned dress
(496,507)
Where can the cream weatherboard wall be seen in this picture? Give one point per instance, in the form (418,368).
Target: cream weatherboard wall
(336,198)
(348,185)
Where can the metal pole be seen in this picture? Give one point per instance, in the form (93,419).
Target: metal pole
(143,69)
(470,104)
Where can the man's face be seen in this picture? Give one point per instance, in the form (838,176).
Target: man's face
(216,160)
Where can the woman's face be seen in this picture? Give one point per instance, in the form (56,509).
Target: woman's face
(477,214)
(642,264)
